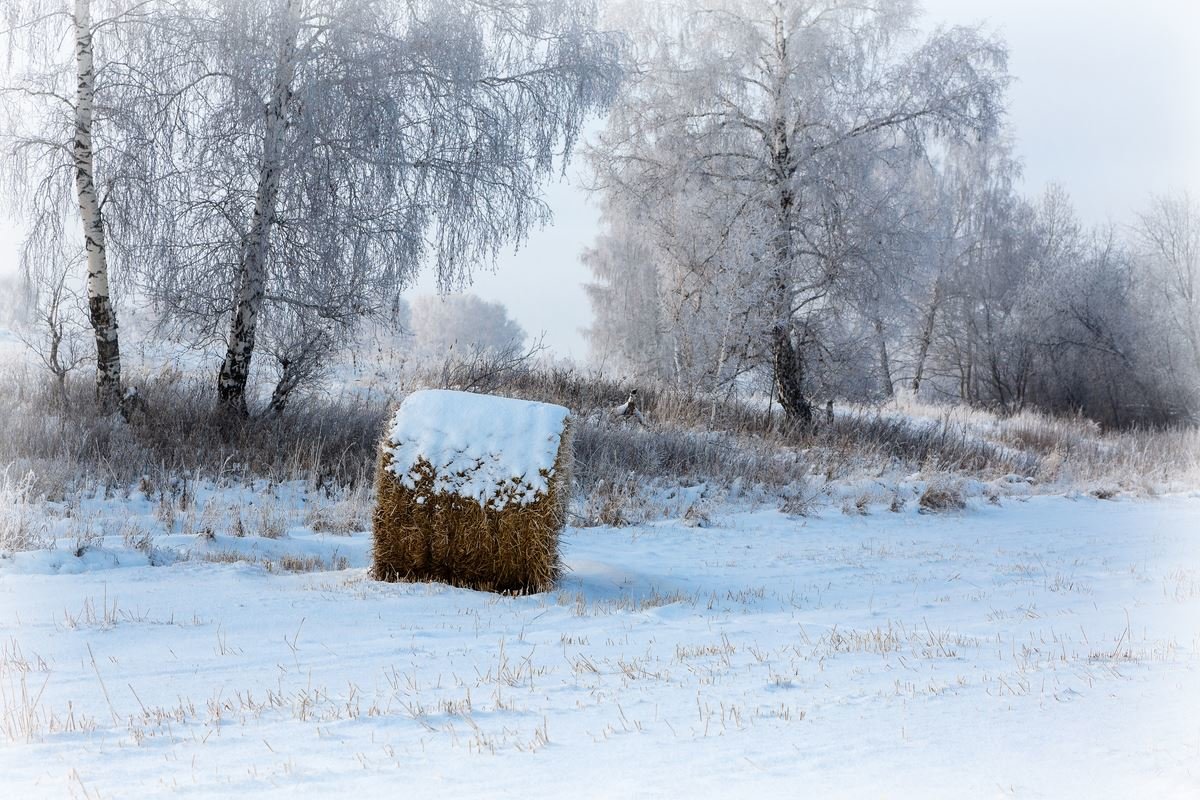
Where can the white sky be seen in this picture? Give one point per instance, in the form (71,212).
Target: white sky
(1106,102)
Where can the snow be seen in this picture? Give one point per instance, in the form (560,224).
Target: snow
(477,444)
(1043,647)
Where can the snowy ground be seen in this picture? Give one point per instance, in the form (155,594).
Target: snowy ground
(1046,647)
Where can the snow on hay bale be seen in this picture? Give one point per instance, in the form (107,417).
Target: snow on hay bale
(472,490)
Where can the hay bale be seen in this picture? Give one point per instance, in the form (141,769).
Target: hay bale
(472,490)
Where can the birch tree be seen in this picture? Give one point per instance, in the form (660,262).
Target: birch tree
(59,105)
(315,155)
(1170,238)
(961,189)
(100,308)
(770,97)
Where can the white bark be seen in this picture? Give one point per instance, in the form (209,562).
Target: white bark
(103,316)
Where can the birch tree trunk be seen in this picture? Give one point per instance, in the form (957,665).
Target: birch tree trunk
(885,363)
(926,339)
(788,365)
(787,361)
(100,308)
(235,369)
(288,381)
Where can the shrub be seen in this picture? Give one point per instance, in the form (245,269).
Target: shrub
(944,494)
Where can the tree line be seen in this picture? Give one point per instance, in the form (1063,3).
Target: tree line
(812,200)
(805,198)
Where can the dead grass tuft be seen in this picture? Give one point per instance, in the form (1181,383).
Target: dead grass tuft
(940,496)
(287,562)
(293,563)
(22,523)
(615,503)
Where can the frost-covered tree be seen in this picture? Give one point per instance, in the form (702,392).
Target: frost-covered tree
(969,200)
(874,235)
(65,87)
(954,189)
(626,335)
(1170,238)
(450,325)
(53,325)
(763,107)
(313,155)
(1091,354)
(673,295)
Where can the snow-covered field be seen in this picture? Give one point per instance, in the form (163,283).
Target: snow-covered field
(1047,647)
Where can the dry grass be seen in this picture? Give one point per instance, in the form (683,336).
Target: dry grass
(615,503)
(69,448)
(423,535)
(942,494)
(1072,451)
(330,445)
(271,522)
(286,563)
(348,513)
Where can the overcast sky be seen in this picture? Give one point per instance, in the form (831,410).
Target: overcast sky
(1106,102)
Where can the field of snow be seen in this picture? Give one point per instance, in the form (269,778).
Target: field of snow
(1047,647)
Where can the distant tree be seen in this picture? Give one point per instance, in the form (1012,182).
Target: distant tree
(957,190)
(463,324)
(1170,236)
(626,335)
(1091,345)
(15,299)
(53,325)
(673,294)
